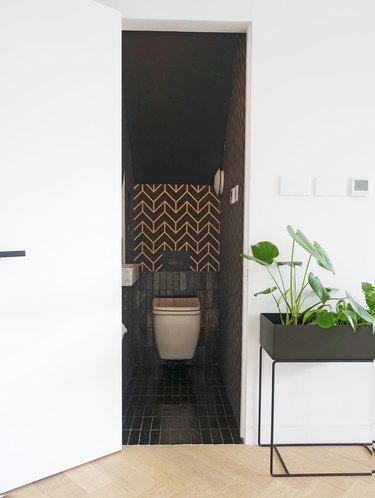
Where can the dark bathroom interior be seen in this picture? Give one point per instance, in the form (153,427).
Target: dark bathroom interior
(183,119)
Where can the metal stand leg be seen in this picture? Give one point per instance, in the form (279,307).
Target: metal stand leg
(260,397)
(272,416)
(274,447)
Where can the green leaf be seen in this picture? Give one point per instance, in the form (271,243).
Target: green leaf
(369,292)
(325,319)
(265,251)
(323,259)
(308,316)
(314,249)
(289,263)
(340,305)
(351,318)
(367,287)
(332,289)
(266,291)
(318,288)
(301,240)
(361,311)
(251,258)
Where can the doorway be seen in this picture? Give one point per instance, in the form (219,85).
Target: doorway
(170,155)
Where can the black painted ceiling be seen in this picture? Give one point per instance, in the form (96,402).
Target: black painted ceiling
(176,92)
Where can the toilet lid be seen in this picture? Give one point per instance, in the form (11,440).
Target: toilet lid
(176,304)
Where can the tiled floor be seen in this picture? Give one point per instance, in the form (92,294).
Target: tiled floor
(175,403)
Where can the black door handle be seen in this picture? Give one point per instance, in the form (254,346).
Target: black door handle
(12,254)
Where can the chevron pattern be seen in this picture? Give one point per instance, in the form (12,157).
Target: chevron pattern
(176,218)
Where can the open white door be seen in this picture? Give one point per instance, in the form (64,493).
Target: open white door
(60,201)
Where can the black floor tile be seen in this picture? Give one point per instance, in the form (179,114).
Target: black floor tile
(227,437)
(146,424)
(144,437)
(223,422)
(214,424)
(236,436)
(177,404)
(134,437)
(204,423)
(127,423)
(155,437)
(166,422)
(232,423)
(175,436)
(206,436)
(130,411)
(186,436)
(125,437)
(194,422)
(165,437)
(148,410)
(195,437)
(216,436)
(211,410)
(137,423)
(156,423)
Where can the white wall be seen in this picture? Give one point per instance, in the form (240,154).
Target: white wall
(313,108)
(60,200)
(195,10)
(312,112)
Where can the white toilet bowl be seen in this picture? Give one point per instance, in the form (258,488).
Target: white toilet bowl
(177,323)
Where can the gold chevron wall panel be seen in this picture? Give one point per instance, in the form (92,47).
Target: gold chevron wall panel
(176,218)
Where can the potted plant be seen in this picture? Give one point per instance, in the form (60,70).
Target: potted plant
(335,328)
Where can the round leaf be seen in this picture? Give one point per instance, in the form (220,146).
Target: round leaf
(325,319)
(265,251)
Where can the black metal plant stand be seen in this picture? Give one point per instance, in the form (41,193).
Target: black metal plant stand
(274,448)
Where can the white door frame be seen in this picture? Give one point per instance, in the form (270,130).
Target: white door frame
(222,27)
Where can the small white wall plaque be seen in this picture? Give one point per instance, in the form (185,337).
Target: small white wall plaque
(295,185)
(332,186)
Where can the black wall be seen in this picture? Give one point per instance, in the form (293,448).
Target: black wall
(231,246)
(176,88)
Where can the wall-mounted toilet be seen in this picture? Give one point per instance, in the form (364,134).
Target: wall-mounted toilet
(177,323)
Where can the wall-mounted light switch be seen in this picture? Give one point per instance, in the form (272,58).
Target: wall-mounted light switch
(233,195)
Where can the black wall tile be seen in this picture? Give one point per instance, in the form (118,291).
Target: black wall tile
(158,225)
(155,284)
(231,242)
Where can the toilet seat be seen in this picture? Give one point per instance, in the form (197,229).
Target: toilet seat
(176,305)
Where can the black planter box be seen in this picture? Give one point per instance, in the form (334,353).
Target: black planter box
(310,342)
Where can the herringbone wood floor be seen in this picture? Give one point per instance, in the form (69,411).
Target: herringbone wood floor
(207,471)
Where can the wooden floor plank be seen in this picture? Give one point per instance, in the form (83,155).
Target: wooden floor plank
(204,471)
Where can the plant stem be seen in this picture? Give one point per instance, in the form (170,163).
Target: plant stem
(284,289)
(278,307)
(303,286)
(278,287)
(323,304)
(291,284)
